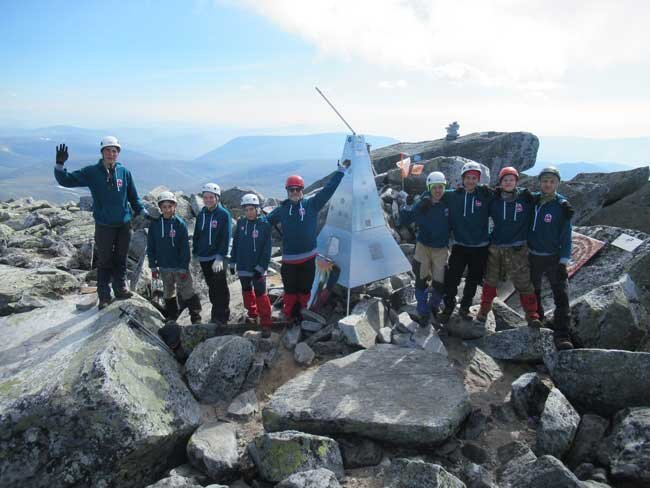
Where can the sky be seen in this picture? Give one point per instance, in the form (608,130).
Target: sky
(399,68)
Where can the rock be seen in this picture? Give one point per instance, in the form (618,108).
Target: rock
(373,311)
(217,368)
(405,324)
(545,472)
(481,371)
(557,426)
(212,449)
(86,203)
(400,281)
(358,331)
(174,482)
(364,394)
(380,289)
(626,450)
(303,354)
(475,425)
(231,198)
(475,453)
(578,373)
(384,335)
(478,477)
(190,473)
(89,401)
(22,290)
(492,149)
(516,459)
(427,338)
(314,478)
(292,337)
(406,295)
(609,317)
(415,473)
(183,203)
(244,405)
(505,317)
(586,442)
(631,212)
(465,329)
(280,454)
(619,183)
(359,452)
(529,393)
(311,326)
(523,344)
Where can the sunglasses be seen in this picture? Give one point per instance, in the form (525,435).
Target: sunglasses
(294,189)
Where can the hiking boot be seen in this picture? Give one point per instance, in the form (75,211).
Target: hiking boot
(535,323)
(103,303)
(563,343)
(424,321)
(195,318)
(123,294)
(445,315)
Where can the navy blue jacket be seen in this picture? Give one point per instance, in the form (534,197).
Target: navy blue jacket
(212,232)
(168,244)
(511,219)
(251,246)
(550,232)
(112,191)
(469,216)
(431,218)
(299,222)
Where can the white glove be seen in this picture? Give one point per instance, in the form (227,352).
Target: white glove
(217,266)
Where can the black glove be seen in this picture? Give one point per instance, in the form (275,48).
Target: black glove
(424,205)
(232,269)
(345,163)
(61,154)
(568,209)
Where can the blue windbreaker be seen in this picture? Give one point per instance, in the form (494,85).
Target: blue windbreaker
(251,246)
(168,244)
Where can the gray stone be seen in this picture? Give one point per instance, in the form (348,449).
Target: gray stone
(86,203)
(314,478)
(303,354)
(359,452)
(278,455)
(292,337)
(602,381)
(481,371)
(400,281)
(546,472)
(244,405)
(529,393)
(631,212)
(465,329)
(505,317)
(406,295)
(609,317)
(358,331)
(380,289)
(523,344)
(311,326)
(427,338)
(212,449)
(586,442)
(88,400)
(191,473)
(174,482)
(626,450)
(405,324)
(384,335)
(364,394)
(231,198)
(515,459)
(374,312)
(619,183)
(415,473)
(557,426)
(478,477)
(217,368)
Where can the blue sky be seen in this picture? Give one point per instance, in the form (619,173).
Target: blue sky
(401,68)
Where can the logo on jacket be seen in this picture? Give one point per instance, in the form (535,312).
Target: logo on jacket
(255,234)
(548,218)
(519,207)
(478,203)
(214,224)
(172,233)
(119,183)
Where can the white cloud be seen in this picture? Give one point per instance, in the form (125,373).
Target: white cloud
(528,45)
(389,85)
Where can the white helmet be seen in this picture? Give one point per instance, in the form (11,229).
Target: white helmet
(471,166)
(109,141)
(166,196)
(211,188)
(250,199)
(436,178)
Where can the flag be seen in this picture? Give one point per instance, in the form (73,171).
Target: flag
(404,165)
(417,169)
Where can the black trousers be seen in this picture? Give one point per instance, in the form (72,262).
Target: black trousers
(298,278)
(461,257)
(558,278)
(217,291)
(112,245)
(249,283)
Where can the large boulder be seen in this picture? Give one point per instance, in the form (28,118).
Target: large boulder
(212,449)
(365,394)
(557,426)
(183,203)
(626,451)
(528,395)
(515,458)
(22,289)
(231,198)
(415,473)
(586,442)
(546,472)
(523,344)
(619,183)
(278,455)
(217,368)
(357,331)
(602,381)
(88,400)
(631,212)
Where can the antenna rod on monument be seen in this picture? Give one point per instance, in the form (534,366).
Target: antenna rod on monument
(337,112)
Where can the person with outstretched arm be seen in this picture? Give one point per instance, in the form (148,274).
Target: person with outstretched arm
(115,200)
(299,217)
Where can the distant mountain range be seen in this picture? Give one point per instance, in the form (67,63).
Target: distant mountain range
(169,157)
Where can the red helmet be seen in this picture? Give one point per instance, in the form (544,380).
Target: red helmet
(508,170)
(294,180)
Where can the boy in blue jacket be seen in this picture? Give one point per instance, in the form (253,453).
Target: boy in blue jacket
(549,241)
(250,256)
(510,211)
(114,195)
(299,216)
(431,215)
(210,244)
(469,218)
(168,251)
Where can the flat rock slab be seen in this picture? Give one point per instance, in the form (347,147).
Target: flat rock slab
(602,381)
(523,344)
(388,393)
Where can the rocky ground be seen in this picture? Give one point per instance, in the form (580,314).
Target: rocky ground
(366,400)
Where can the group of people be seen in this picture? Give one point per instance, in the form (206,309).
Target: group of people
(530,237)
(245,252)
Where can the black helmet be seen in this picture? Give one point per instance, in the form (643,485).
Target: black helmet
(550,170)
